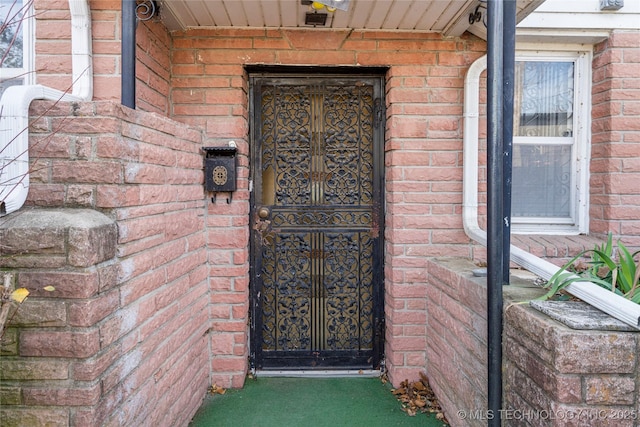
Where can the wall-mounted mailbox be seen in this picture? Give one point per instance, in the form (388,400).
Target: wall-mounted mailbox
(220,170)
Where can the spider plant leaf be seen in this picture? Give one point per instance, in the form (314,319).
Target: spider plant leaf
(609,247)
(559,281)
(627,268)
(606,259)
(636,281)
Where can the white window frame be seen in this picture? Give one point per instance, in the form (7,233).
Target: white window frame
(578,222)
(27,72)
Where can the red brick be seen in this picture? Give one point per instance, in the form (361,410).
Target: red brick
(35,417)
(612,390)
(76,396)
(59,344)
(92,368)
(43,313)
(33,369)
(88,312)
(66,284)
(228,364)
(79,172)
(222,344)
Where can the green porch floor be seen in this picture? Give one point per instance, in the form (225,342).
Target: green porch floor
(308,402)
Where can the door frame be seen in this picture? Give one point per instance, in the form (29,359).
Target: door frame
(286,72)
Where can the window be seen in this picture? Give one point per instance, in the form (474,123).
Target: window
(16,43)
(550,143)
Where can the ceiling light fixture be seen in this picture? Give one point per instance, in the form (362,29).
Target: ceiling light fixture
(315,18)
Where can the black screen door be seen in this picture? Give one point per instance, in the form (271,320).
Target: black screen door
(316,216)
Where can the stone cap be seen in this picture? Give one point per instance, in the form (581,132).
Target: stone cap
(49,238)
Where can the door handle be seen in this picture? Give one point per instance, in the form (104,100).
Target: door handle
(263,212)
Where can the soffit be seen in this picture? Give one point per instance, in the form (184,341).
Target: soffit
(450,17)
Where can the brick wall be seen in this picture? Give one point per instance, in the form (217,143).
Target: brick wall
(123,338)
(615,156)
(53,53)
(424,90)
(457,342)
(198,77)
(53,44)
(552,375)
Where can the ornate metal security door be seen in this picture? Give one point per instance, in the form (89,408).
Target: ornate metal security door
(316,222)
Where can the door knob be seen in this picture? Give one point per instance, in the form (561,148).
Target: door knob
(263,212)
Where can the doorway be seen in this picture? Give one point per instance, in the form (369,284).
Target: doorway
(316,221)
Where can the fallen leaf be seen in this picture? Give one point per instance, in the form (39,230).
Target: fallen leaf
(215,389)
(420,403)
(19,295)
(418,397)
(49,288)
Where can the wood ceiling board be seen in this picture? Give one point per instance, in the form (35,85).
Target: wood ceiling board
(182,13)
(355,17)
(272,15)
(380,10)
(347,18)
(430,18)
(292,13)
(235,10)
(395,15)
(200,13)
(217,11)
(456,17)
(256,11)
(414,13)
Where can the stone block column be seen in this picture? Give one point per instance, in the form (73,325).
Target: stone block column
(53,359)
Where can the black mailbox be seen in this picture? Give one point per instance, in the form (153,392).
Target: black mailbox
(220,170)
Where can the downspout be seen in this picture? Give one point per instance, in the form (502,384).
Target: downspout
(508,76)
(495,211)
(604,300)
(128,87)
(14,111)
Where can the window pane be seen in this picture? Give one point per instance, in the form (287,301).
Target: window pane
(544,104)
(541,181)
(11,40)
(10,82)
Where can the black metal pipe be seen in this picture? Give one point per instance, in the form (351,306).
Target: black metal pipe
(508,70)
(495,208)
(128,56)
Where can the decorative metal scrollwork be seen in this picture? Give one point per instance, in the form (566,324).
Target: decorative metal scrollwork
(317,253)
(146,9)
(479,14)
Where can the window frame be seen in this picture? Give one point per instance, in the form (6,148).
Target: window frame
(27,71)
(578,221)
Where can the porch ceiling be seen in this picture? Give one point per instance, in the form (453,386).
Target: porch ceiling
(450,17)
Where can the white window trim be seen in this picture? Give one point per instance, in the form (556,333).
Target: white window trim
(579,221)
(27,72)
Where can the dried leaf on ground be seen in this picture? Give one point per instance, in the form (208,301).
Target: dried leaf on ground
(417,397)
(216,389)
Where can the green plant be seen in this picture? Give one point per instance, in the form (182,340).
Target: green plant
(618,272)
